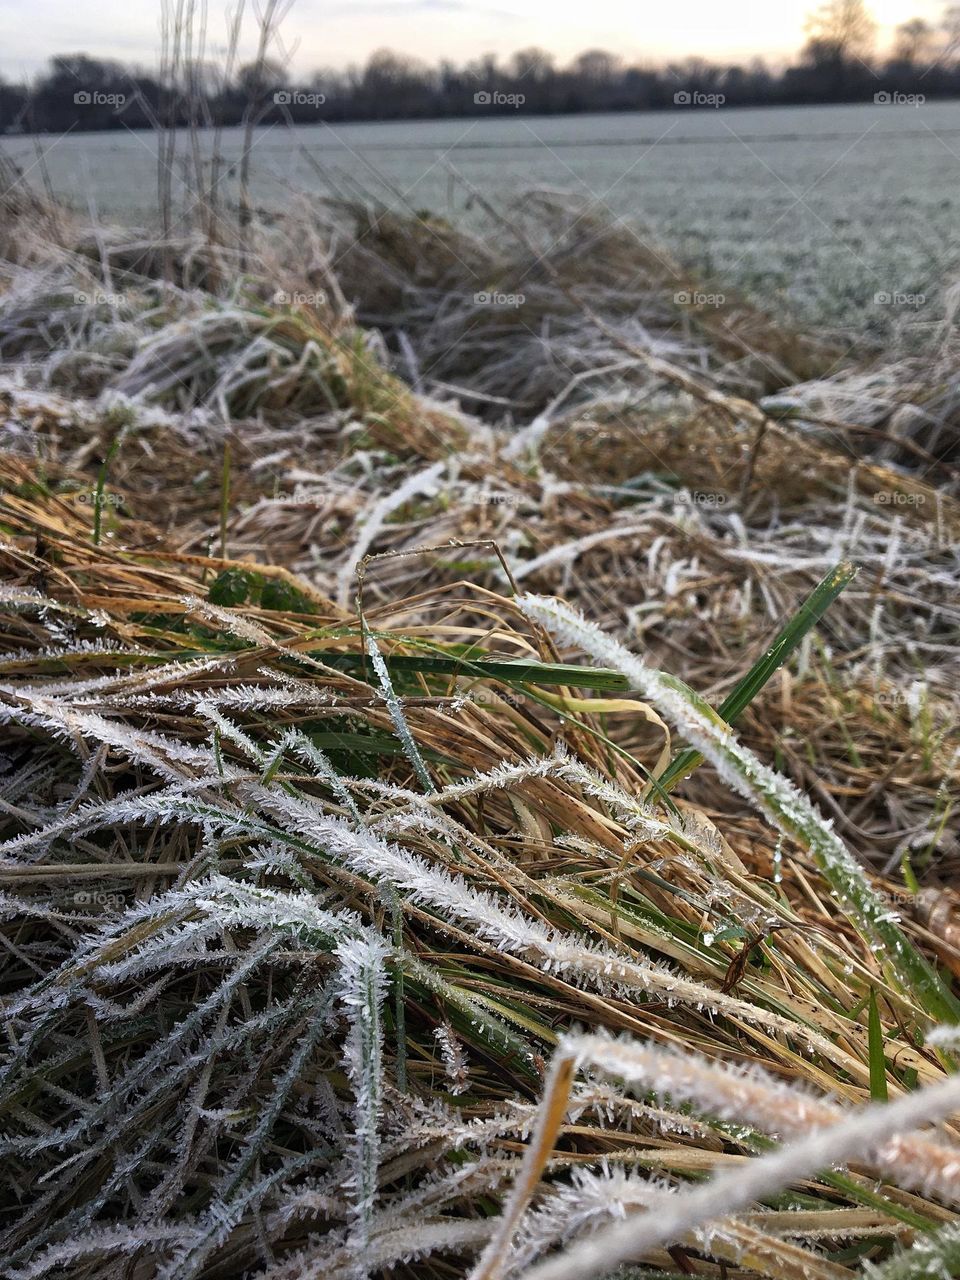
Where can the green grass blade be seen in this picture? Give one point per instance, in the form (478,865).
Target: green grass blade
(740,697)
(878,1064)
(507,670)
(370,744)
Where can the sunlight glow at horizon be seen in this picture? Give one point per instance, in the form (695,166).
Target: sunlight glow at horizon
(337,33)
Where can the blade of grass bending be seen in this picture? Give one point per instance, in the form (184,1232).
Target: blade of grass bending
(506,670)
(740,697)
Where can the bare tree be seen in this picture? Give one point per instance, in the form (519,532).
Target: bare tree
(531,64)
(597,65)
(913,41)
(843,28)
(255,79)
(950,25)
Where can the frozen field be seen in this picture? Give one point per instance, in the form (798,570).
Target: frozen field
(821,212)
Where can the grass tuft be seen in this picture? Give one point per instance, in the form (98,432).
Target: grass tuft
(384,940)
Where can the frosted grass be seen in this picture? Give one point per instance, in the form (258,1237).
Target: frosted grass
(773,795)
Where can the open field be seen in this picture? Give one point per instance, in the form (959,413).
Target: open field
(478,786)
(811,211)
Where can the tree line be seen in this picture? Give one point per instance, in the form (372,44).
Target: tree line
(838,63)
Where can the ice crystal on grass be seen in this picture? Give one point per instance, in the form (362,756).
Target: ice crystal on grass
(933,1257)
(301,820)
(362,986)
(771,793)
(106,1241)
(166,755)
(310,754)
(233,733)
(454,1059)
(233,903)
(591,1200)
(407,740)
(738,1094)
(233,1193)
(504,776)
(876,1134)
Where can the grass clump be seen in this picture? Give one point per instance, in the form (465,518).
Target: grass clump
(355,926)
(209,920)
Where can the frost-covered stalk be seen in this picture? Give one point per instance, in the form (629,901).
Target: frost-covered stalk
(395,1242)
(410,748)
(772,794)
(550,1116)
(234,1191)
(166,755)
(594,1198)
(105,1240)
(304,825)
(505,775)
(860,1137)
(311,754)
(752,1097)
(931,1257)
(454,1059)
(362,986)
(500,1038)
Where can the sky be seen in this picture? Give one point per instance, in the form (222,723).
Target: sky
(336,33)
